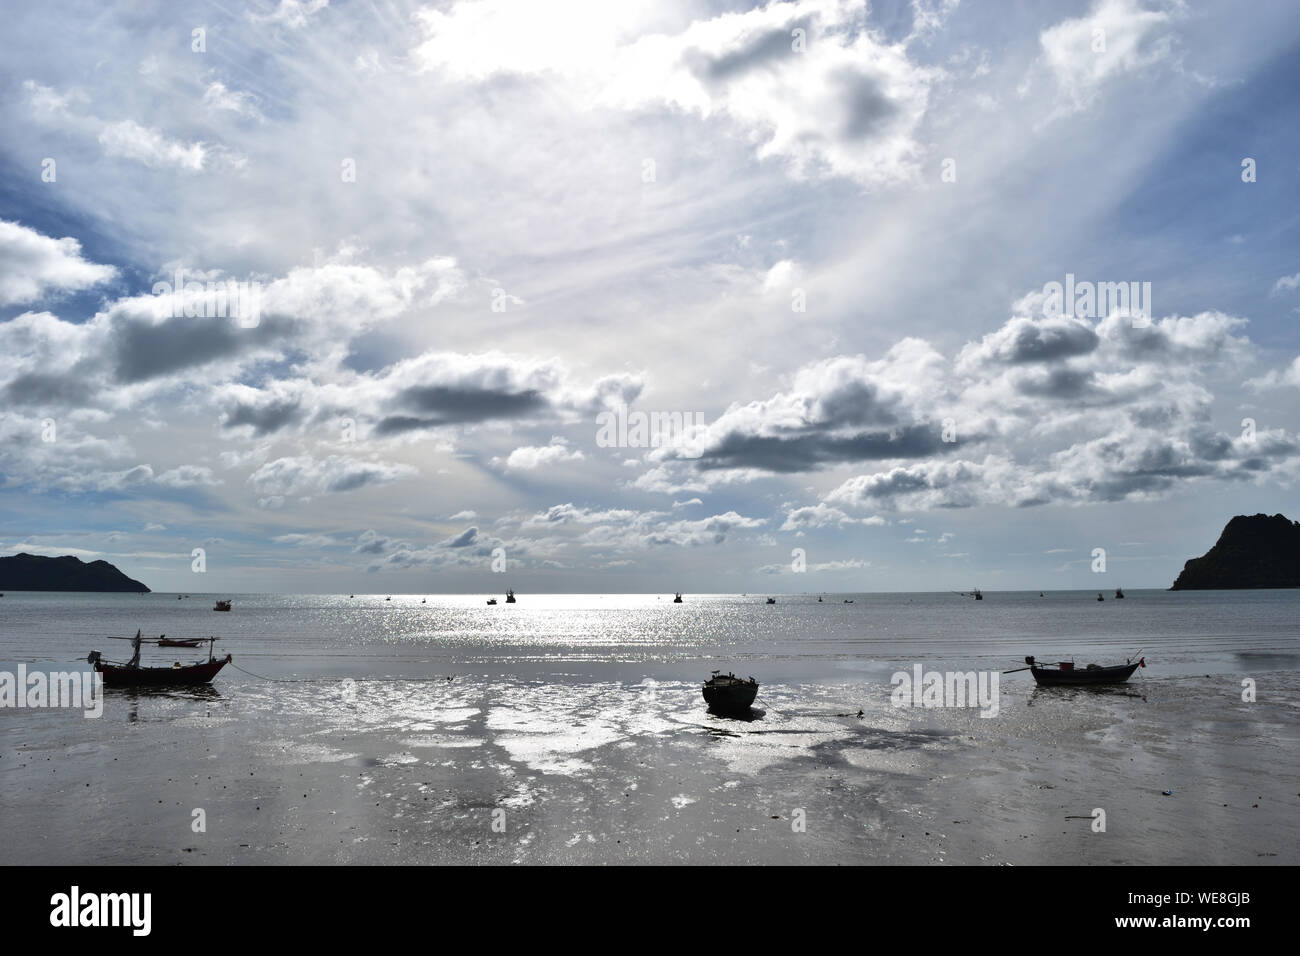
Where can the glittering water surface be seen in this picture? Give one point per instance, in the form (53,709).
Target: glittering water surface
(571,728)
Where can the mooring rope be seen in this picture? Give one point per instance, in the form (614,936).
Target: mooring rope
(339,680)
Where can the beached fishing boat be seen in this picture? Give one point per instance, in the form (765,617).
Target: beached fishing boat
(1064,673)
(221,606)
(131,674)
(729,694)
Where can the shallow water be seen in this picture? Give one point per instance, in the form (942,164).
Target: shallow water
(571,728)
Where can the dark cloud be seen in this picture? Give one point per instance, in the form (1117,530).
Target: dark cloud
(812,449)
(866,106)
(464,539)
(143,350)
(266,418)
(36,388)
(1034,342)
(438,405)
(759,51)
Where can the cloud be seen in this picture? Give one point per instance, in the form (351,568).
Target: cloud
(822,515)
(530,458)
(806,81)
(293,14)
(1287,283)
(33,266)
(1115,37)
(305,475)
(129,140)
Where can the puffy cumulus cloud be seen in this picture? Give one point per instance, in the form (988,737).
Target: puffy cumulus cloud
(622,529)
(822,515)
(163,340)
(467,549)
(1278,378)
(838,410)
(33,266)
(1057,409)
(445,388)
(1113,38)
(807,81)
(532,457)
(306,475)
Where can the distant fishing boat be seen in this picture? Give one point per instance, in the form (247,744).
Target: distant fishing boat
(729,694)
(389,598)
(819,599)
(979,595)
(678,598)
(510,596)
(492,600)
(771,600)
(221,606)
(190,642)
(848,600)
(1064,673)
(1099,597)
(1119,594)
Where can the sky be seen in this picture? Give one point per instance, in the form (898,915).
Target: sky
(644,297)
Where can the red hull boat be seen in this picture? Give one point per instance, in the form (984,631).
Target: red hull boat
(117,675)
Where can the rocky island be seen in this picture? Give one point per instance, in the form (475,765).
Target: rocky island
(31,572)
(1256,551)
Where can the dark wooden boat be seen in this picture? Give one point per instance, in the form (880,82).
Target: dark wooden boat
(492,600)
(221,606)
(979,595)
(510,597)
(678,598)
(180,642)
(1064,673)
(1119,594)
(178,675)
(771,600)
(729,694)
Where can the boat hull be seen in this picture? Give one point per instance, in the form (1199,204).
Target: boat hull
(733,698)
(1052,677)
(115,676)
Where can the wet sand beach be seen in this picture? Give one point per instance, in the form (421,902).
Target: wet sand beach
(542,757)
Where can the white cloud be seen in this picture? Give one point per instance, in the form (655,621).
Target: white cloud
(33,265)
(1115,37)
(130,140)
